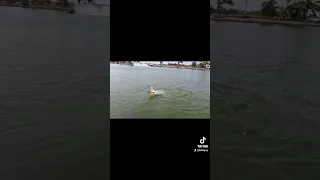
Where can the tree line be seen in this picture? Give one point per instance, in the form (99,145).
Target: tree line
(44,2)
(294,9)
(201,64)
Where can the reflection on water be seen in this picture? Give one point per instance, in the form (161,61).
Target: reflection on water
(186,92)
(53,117)
(265,95)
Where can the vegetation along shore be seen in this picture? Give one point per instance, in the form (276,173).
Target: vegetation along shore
(195,65)
(60,5)
(294,13)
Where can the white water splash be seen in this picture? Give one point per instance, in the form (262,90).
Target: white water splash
(158,92)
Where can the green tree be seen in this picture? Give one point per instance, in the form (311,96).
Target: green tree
(179,62)
(269,8)
(194,64)
(282,12)
(300,8)
(220,4)
(203,64)
(245,7)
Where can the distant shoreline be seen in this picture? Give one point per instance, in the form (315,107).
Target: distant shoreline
(170,66)
(266,21)
(184,67)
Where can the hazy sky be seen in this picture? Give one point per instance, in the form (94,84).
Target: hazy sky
(252,4)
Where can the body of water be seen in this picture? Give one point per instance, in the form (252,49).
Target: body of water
(265,102)
(187,92)
(53,84)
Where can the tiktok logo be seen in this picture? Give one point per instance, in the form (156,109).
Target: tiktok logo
(202,140)
(202,147)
